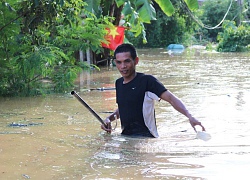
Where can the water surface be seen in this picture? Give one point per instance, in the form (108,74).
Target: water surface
(62,140)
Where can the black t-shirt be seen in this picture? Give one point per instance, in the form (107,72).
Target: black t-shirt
(130,98)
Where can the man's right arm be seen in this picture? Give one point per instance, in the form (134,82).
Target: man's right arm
(115,115)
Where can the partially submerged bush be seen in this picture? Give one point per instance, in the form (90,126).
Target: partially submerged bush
(233,38)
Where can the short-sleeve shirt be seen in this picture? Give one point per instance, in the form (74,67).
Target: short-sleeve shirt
(135,101)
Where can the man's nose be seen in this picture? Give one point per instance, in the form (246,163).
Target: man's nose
(123,65)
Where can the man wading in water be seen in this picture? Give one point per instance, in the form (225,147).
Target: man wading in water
(135,96)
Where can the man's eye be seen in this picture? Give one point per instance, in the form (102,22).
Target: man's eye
(127,61)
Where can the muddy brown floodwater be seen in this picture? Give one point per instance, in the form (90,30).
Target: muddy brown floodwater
(61,139)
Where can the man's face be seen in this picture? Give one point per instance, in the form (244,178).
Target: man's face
(126,65)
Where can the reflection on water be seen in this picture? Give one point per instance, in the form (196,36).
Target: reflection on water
(62,140)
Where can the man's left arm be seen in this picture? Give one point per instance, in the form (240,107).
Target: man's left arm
(180,107)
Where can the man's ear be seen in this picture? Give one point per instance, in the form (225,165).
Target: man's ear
(136,60)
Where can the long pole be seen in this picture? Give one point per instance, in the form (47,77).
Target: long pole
(88,107)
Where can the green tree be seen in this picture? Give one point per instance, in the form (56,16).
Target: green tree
(50,32)
(246,11)
(167,29)
(233,38)
(211,14)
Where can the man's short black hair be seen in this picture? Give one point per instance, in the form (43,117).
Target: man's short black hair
(126,48)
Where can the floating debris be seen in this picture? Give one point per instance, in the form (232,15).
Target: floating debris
(26,176)
(13,124)
(6,132)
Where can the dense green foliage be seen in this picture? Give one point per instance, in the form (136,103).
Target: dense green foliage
(231,32)
(233,38)
(179,28)
(39,40)
(211,16)
(167,29)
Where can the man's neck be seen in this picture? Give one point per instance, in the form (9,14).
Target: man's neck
(127,80)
